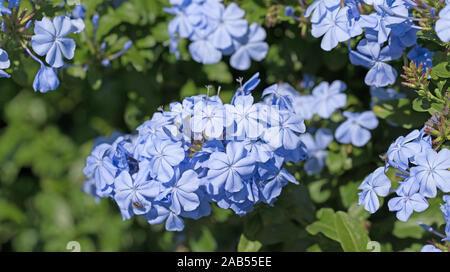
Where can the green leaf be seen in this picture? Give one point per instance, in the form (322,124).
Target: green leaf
(341,227)
(246,245)
(442,70)
(206,242)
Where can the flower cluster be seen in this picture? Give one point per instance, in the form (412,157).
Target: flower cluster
(198,152)
(390,27)
(423,171)
(215,31)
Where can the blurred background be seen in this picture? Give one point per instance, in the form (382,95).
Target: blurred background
(45,139)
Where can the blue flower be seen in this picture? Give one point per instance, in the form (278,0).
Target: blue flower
(304,106)
(370,55)
(408,200)
(203,51)
(279,95)
(133,194)
(46,79)
(388,14)
(289,11)
(334,28)
(50,40)
(403,149)
(284,130)
(432,172)
(79,12)
(208,118)
(244,117)
(329,98)
(99,167)
(4,63)
(250,47)
(318,9)
(315,147)
(374,185)
(183,193)
(228,169)
(442,26)
(163,156)
(356,128)
(230,25)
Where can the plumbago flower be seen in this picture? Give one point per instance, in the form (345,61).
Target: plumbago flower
(198,152)
(329,98)
(374,185)
(216,31)
(316,150)
(50,39)
(355,129)
(390,28)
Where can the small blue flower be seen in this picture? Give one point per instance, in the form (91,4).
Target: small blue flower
(163,156)
(370,55)
(355,129)
(374,185)
(329,98)
(79,12)
(304,106)
(445,208)
(4,63)
(183,193)
(284,130)
(289,11)
(227,170)
(244,116)
(318,9)
(230,25)
(432,172)
(442,26)
(401,152)
(99,167)
(208,117)
(203,51)
(408,200)
(133,194)
(50,40)
(315,147)
(334,28)
(250,47)
(46,79)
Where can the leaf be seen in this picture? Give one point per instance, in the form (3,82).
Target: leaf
(351,234)
(246,245)
(206,242)
(341,227)
(442,70)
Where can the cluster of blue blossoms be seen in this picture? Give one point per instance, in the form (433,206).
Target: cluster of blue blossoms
(423,170)
(198,152)
(50,41)
(215,31)
(388,32)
